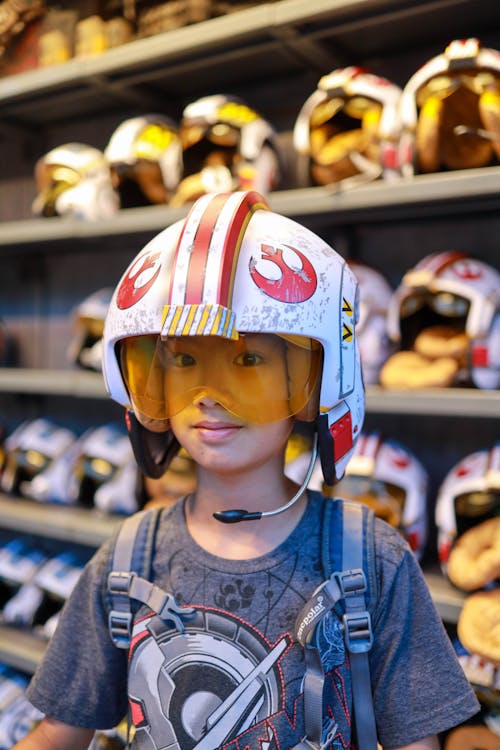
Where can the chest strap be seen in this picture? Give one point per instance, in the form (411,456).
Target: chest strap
(348,587)
(130,562)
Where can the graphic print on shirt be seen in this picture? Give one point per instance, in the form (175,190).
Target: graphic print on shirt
(221,684)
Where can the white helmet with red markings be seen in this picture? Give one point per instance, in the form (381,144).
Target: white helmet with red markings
(231,269)
(348,128)
(390,479)
(375,294)
(468,496)
(450,111)
(451,290)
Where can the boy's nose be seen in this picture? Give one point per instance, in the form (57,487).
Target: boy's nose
(205,398)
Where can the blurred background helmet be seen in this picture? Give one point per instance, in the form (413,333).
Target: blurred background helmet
(30,449)
(100,453)
(447,312)
(19,563)
(74,180)
(390,479)
(226,146)
(450,111)
(348,128)
(375,294)
(95,469)
(85,349)
(468,497)
(145,158)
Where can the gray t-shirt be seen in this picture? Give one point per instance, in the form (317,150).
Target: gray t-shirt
(234,678)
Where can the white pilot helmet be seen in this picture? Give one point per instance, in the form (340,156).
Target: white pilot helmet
(469,494)
(145,157)
(449,111)
(234,268)
(227,146)
(74,180)
(389,478)
(375,295)
(454,292)
(347,130)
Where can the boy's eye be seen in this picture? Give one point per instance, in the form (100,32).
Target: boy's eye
(182,359)
(249,359)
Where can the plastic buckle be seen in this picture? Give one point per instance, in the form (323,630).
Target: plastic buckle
(120,627)
(119,583)
(358,631)
(352,582)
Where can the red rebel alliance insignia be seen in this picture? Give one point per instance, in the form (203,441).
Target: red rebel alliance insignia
(467,269)
(139,279)
(295,283)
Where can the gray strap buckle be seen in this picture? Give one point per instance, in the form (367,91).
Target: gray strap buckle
(120,620)
(351,582)
(358,631)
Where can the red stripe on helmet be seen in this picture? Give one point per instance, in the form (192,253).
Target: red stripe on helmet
(198,261)
(439,261)
(250,202)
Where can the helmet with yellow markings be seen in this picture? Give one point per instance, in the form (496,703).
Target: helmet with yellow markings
(232,271)
(348,128)
(145,157)
(74,180)
(227,146)
(450,111)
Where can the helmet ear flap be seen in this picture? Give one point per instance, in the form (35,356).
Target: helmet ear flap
(153,451)
(326,450)
(427,135)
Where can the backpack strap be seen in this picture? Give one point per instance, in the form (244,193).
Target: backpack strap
(129,570)
(131,554)
(348,559)
(358,556)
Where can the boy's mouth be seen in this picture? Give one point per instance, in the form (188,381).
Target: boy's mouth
(216,430)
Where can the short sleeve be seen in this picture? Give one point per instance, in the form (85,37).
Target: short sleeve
(82,680)
(418,684)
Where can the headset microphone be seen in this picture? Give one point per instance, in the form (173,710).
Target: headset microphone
(236,515)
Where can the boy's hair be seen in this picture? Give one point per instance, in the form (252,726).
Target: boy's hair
(234,267)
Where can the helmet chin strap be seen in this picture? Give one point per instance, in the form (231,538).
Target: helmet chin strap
(236,515)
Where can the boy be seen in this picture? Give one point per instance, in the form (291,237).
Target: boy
(224,330)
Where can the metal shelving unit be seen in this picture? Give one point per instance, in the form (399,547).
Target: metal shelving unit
(21,649)
(88,527)
(284,38)
(281,40)
(425,195)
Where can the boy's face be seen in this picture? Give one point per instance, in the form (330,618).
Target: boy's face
(258,378)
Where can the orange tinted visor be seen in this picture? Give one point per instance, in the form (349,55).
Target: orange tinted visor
(260,378)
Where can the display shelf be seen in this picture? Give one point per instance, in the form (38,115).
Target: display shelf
(422,195)
(446,402)
(21,649)
(452,402)
(88,527)
(448,600)
(257,43)
(77,383)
